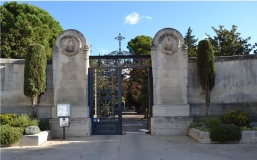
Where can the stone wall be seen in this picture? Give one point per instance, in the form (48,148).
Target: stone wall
(13,99)
(235,86)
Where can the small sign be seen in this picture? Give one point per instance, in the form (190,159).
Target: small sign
(63,109)
(64,122)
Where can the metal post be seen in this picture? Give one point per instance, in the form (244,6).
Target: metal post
(120,98)
(63,136)
(95,94)
(150,91)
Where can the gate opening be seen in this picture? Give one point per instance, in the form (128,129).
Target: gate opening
(108,76)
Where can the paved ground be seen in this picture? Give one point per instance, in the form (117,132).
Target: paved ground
(131,147)
(132,123)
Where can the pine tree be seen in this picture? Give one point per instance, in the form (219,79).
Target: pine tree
(190,42)
(23,24)
(229,43)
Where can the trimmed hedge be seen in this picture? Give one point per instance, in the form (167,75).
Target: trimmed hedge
(225,133)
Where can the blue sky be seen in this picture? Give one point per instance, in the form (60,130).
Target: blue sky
(101,21)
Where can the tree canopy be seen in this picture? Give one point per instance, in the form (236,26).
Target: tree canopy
(190,41)
(141,45)
(137,81)
(229,43)
(24,24)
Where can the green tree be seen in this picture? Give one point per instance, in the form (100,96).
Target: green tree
(137,93)
(190,42)
(35,74)
(141,45)
(206,69)
(24,24)
(229,43)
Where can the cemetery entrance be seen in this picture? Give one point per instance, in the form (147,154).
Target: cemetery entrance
(105,89)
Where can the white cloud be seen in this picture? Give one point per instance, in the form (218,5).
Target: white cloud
(134,18)
(148,17)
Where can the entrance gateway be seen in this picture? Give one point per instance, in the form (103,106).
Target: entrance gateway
(105,88)
(94,89)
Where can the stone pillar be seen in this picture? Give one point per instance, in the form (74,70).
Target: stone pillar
(169,67)
(70,82)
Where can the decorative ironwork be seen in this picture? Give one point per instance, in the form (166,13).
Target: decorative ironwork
(119,38)
(143,61)
(105,95)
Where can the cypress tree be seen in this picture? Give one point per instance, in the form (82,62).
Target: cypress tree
(206,69)
(35,74)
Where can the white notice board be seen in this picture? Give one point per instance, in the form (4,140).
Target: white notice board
(63,109)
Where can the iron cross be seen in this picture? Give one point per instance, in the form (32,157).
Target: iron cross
(119,38)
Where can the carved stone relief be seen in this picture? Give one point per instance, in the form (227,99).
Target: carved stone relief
(169,43)
(70,45)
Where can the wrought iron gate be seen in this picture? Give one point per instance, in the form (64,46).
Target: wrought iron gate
(105,88)
(105,101)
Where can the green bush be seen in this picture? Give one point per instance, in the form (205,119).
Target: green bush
(44,124)
(31,130)
(196,124)
(212,121)
(10,134)
(238,118)
(25,121)
(8,118)
(225,133)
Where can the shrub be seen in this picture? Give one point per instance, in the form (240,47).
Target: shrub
(211,122)
(225,133)
(8,118)
(196,124)
(9,134)
(25,121)
(31,130)
(238,118)
(44,124)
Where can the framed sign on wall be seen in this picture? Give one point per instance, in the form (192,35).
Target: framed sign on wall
(63,109)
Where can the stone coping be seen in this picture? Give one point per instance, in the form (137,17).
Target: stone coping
(227,58)
(17,61)
(204,137)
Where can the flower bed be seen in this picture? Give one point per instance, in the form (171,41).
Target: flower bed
(204,137)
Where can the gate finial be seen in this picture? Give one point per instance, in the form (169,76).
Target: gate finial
(119,38)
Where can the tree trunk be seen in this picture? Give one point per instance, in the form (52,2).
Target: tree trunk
(207,100)
(33,105)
